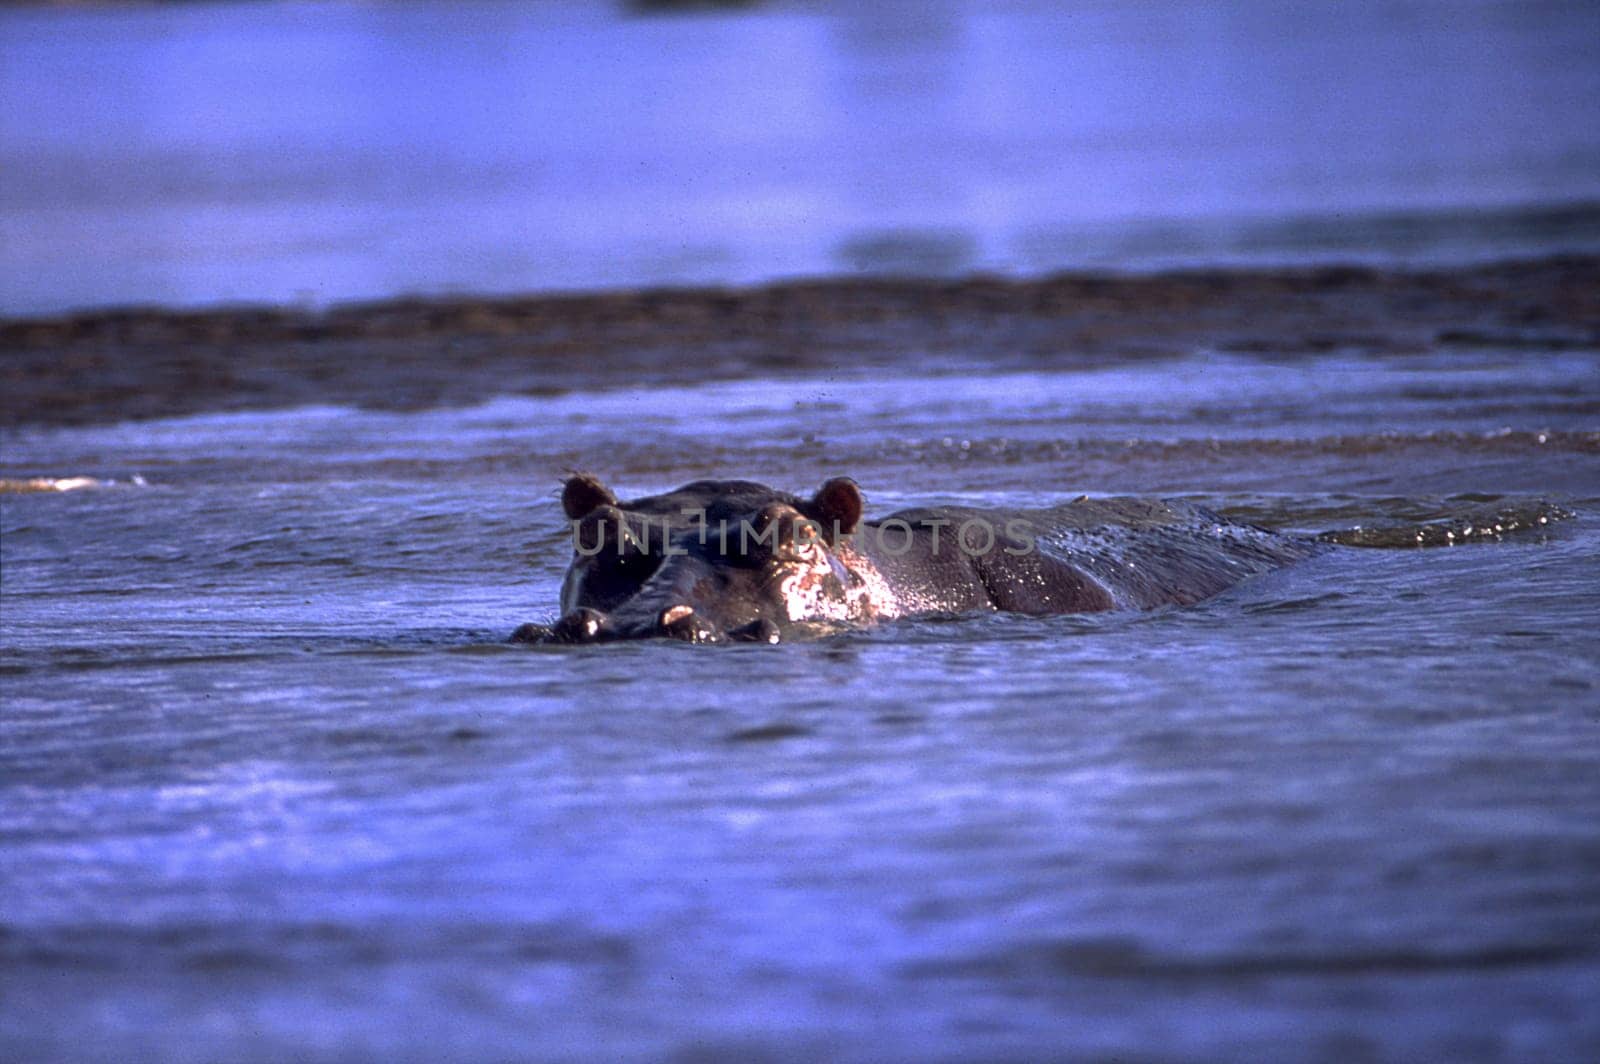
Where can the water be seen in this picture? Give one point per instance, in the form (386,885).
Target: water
(204,153)
(273,786)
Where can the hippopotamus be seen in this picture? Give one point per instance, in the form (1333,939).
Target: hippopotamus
(732,560)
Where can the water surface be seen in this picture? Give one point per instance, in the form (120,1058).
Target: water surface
(273,785)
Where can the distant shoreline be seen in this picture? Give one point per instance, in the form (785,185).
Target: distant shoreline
(133,363)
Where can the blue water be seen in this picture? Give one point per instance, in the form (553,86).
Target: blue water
(201,153)
(273,786)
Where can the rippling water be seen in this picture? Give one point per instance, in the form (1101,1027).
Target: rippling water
(272,784)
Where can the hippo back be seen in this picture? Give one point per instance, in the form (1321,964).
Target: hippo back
(1151,552)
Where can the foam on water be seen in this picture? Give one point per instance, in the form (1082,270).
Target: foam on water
(17,486)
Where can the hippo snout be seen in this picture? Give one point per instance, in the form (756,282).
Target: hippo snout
(586,625)
(682,622)
(581,625)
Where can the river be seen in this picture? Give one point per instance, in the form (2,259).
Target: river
(274,784)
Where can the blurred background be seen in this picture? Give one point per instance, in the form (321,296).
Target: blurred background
(194,154)
(274,786)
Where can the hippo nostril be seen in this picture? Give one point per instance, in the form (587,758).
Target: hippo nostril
(675,615)
(681,622)
(582,625)
(759,631)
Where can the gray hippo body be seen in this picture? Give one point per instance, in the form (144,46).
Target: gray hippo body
(734,560)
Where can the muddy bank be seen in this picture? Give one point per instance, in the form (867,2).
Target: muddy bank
(406,354)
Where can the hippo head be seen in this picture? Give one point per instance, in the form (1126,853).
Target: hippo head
(711,562)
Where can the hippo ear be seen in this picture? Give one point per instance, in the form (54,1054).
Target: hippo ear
(584,494)
(837,504)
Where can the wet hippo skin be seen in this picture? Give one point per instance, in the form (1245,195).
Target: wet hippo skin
(733,560)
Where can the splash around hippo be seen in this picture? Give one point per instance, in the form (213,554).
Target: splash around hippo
(732,560)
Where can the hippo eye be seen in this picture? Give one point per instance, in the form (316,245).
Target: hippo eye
(613,560)
(605,532)
(779,533)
